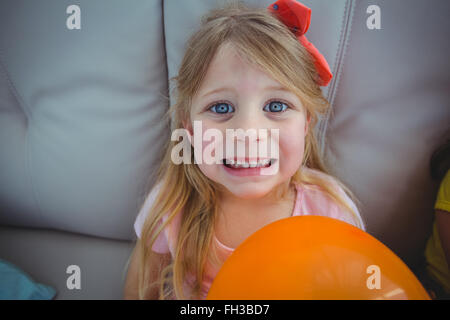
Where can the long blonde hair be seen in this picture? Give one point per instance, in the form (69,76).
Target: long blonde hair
(267,43)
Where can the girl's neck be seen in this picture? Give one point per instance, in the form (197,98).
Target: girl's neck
(282,194)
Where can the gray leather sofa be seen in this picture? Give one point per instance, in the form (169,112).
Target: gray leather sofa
(81,129)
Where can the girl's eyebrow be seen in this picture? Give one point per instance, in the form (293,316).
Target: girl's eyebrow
(274,88)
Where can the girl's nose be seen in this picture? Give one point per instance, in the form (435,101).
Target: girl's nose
(250,121)
(255,130)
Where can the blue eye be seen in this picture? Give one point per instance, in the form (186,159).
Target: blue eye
(276,106)
(221,108)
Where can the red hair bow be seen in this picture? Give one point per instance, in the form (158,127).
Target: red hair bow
(297,17)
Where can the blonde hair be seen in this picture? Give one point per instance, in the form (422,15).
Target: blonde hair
(266,42)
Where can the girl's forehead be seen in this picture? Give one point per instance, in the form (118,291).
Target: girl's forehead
(231,72)
(228,58)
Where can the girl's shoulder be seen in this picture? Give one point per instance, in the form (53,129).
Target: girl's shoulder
(145,209)
(164,242)
(314,200)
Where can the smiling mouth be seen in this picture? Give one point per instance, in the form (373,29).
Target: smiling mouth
(236,164)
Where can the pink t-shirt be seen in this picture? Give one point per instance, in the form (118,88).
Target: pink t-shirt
(310,200)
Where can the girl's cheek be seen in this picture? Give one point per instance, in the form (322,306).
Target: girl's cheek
(292,145)
(205,135)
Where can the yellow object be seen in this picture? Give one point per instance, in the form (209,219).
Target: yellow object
(437,266)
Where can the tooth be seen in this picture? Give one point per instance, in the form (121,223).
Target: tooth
(231,161)
(246,165)
(253,164)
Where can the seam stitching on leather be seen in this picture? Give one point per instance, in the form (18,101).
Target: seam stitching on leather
(167,96)
(347,18)
(164,44)
(28,115)
(14,91)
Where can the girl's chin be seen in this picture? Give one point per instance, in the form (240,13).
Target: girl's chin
(248,192)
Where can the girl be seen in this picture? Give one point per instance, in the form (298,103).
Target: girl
(247,68)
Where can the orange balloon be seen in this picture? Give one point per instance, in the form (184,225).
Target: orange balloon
(314,257)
